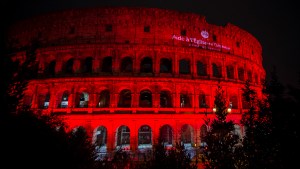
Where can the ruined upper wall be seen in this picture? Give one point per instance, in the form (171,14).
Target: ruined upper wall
(147,26)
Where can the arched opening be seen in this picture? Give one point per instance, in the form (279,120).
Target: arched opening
(201,69)
(123,137)
(146,65)
(145,137)
(104,99)
(203,101)
(166,135)
(126,65)
(233,102)
(50,69)
(107,65)
(184,66)
(100,141)
(249,76)
(203,133)
(165,99)
(100,137)
(230,72)
(68,68)
(145,98)
(44,100)
(125,98)
(64,100)
(185,100)
(82,99)
(87,65)
(165,65)
(241,74)
(217,70)
(186,135)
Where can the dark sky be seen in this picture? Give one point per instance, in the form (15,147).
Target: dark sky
(273,23)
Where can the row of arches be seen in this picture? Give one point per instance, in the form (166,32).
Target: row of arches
(185,67)
(125,99)
(146,136)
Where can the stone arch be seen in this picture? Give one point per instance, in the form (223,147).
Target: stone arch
(230,71)
(166,134)
(126,64)
(165,65)
(144,137)
(201,68)
(125,98)
(187,135)
(216,70)
(87,65)
(50,68)
(123,137)
(63,99)
(165,97)
(104,98)
(184,66)
(68,66)
(145,99)
(146,65)
(106,65)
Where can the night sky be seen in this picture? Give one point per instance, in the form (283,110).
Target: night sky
(273,23)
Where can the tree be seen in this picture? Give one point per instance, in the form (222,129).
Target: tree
(221,140)
(259,144)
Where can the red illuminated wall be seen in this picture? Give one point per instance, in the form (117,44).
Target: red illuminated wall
(74,57)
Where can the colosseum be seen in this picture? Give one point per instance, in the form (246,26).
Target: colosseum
(129,76)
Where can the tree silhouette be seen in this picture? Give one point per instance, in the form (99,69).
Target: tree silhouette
(221,140)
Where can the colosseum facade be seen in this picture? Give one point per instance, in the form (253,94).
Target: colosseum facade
(131,75)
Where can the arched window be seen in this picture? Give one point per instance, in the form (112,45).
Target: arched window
(203,101)
(126,65)
(186,134)
(50,69)
(166,134)
(241,74)
(104,99)
(82,99)
(201,69)
(184,66)
(44,100)
(230,72)
(233,102)
(145,98)
(165,99)
(87,65)
(146,65)
(123,136)
(125,98)
(217,71)
(100,136)
(69,66)
(145,135)
(107,65)
(203,133)
(185,100)
(64,100)
(249,76)
(165,65)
